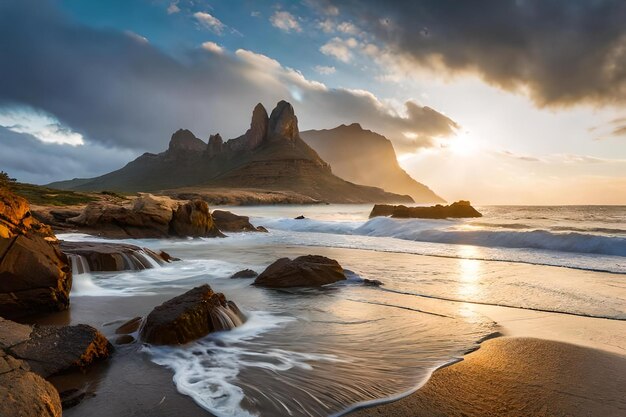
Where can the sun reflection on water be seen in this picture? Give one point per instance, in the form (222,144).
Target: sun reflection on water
(469,273)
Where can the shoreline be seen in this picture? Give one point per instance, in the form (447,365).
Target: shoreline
(513,376)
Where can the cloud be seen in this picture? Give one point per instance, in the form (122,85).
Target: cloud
(38,124)
(327,25)
(560,52)
(212,47)
(340,48)
(136,37)
(210,22)
(173,8)
(324,70)
(119,94)
(285,21)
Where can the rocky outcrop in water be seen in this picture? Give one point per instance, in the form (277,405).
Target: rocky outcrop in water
(231,222)
(460,209)
(50,350)
(35,276)
(147,216)
(304,271)
(244,273)
(190,316)
(104,256)
(24,393)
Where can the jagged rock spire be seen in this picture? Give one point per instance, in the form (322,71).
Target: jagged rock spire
(283,123)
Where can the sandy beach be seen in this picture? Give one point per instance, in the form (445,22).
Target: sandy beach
(520,377)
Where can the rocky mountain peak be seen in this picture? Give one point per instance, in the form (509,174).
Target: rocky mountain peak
(283,122)
(185,140)
(216,144)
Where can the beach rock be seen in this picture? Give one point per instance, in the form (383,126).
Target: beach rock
(51,350)
(167,257)
(460,209)
(147,216)
(131,326)
(230,222)
(104,256)
(372,282)
(262,229)
(193,219)
(72,397)
(35,276)
(300,217)
(190,316)
(124,339)
(24,393)
(304,271)
(245,273)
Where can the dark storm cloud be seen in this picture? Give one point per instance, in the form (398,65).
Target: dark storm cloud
(121,92)
(564,52)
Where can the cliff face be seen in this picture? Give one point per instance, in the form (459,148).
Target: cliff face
(367,158)
(271,155)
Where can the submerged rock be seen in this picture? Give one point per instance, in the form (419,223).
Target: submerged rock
(245,273)
(24,393)
(231,222)
(35,276)
(190,316)
(304,271)
(104,256)
(460,209)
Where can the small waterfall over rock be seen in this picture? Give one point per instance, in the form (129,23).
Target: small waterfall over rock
(95,257)
(227,317)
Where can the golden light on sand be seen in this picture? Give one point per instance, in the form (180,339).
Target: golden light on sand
(469,271)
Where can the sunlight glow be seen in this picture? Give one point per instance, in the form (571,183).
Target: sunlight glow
(39,124)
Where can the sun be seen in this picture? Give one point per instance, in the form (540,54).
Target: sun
(463,144)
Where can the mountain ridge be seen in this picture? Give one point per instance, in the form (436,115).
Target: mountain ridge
(366,157)
(270,155)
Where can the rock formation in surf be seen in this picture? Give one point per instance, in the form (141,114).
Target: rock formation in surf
(365,157)
(190,316)
(270,156)
(460,209)
(303,271)
(105,256)
(35,276)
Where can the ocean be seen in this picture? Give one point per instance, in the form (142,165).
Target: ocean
(322,352)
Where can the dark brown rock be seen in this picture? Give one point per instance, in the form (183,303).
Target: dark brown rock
(460,209)
(51,350)
(184,140)
(35,276)
(261,229)
(131,326)
(283,123)
(24,393)
(216,145)
(230,222)
(194,219)
(253,136)
(300,217)
(304,271)
(104,256)
(245,273)
(190,316)
(124,339)
(372,282)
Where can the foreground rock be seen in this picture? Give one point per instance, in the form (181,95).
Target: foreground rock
(460,209)
(230,222)
(50,350)
(100,256)
(190,316)
(24,393)
(304,271)
(147,216)
(35,276)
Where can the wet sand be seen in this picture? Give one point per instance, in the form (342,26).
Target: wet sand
(520,377)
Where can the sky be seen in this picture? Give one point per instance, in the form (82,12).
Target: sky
(495,101)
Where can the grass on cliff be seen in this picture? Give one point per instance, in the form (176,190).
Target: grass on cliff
(44,196)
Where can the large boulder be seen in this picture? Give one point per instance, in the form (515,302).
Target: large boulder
(50,350)
(460,209)
(35,276)
(231,222)
(193,219)
(24,393)
(190,316)
(105,256)
(304,271)
(147,216)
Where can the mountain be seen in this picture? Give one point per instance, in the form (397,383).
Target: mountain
(365,157)
(270,156)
